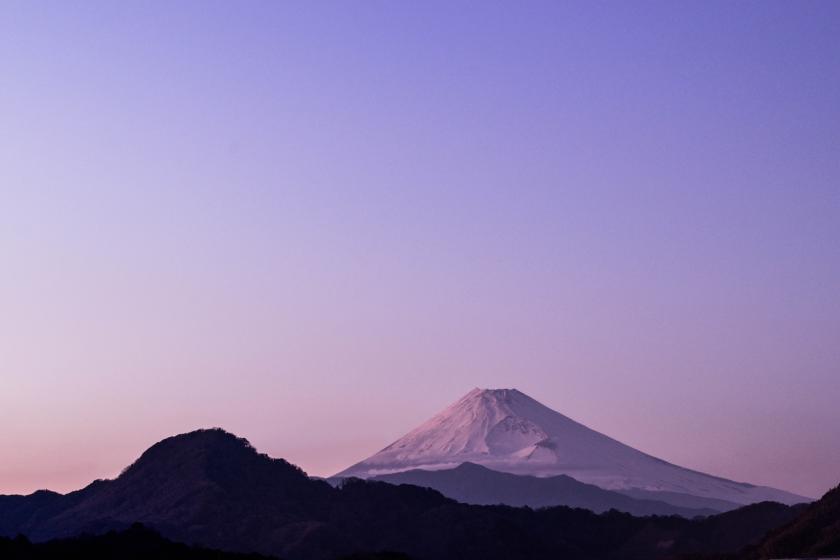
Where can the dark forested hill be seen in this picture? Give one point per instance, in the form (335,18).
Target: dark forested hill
(816,532)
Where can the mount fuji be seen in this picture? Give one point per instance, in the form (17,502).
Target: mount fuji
(508,431)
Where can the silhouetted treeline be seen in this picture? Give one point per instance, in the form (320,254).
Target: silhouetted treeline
(816,532)
(135,543)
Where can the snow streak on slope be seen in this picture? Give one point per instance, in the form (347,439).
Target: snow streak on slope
(505,430)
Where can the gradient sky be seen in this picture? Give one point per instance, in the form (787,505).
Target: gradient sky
(317,224)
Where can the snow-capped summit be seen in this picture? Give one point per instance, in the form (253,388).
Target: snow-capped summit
(506,430)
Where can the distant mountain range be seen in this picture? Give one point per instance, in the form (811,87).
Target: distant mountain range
(473,484)
(508,431)
(213,489)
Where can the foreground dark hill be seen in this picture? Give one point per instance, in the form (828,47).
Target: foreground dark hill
(473,484)
(179,486)
(212,488)
(816,532)
(729,531)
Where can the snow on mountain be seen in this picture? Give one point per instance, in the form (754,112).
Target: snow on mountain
(508,431)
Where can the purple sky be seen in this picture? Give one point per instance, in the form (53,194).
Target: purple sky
(316,224)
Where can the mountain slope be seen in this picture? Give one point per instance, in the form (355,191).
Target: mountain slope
(505,430)
(732,530)
(473,484)
(681,499)
(816,532)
